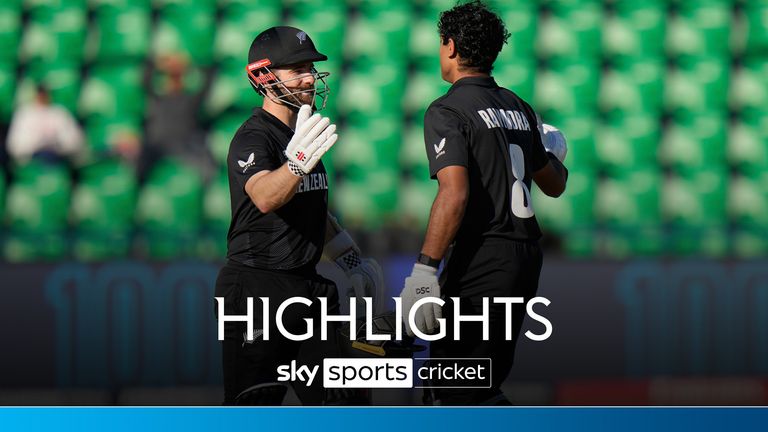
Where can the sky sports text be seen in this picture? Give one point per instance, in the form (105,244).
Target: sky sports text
(392,373)
(264,328)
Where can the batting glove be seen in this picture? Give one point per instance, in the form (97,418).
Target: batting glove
(313,137)
(554,141)
(365,275)
(420,284)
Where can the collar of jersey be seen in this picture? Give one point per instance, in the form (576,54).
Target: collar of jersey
(475,80)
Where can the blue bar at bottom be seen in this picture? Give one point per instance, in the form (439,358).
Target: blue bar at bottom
(222,419)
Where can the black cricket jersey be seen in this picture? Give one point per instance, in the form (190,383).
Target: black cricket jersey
(290,238)
(493,133)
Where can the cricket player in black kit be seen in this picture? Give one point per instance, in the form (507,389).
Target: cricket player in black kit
(484,146)
(281,226)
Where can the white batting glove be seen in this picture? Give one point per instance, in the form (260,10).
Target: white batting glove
(553,140)
(421,283)
(313,137)
(365,274)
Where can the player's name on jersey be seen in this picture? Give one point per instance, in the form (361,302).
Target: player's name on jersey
(311,182)
(509,119)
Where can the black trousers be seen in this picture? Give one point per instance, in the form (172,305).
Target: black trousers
(249,363)
(495,268)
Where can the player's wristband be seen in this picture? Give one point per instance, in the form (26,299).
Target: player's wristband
(428,260)
(295,169)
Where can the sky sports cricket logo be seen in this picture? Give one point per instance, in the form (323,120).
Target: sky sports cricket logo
(392,373)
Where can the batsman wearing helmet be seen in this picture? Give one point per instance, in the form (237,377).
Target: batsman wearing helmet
(485,146)
(280,222)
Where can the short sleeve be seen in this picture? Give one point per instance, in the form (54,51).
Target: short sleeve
(445,140)
(249,153)
(538,158)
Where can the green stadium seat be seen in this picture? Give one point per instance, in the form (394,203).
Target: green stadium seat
(696,144)
(521,20)
(221,133)
(695,86)
(699,29)
(424,42)
(630,200)
(517,75)
(7,91)
(748,200)
(635,31)
(169,213)
(746,147)
(216,218)
(231,90)
(10,30)
(54,34)
(755,37)
(572,32)
(367,199)
(633,88)
(368,142)
(62,80)
(695,205)
(379,35)
(627,144)
(325,25)
(580,132)
(187,28)
(567,88)
(102,134)
(422,87)
(241,22)
(120,33)
(112,91)
(749,89)
(103,205)
(413,157)
(36,213)
(371,89)
(416,198)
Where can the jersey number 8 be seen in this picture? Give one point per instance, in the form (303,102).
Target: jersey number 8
(522,206)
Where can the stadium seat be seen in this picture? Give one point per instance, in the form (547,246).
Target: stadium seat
(325,25)
(748,200)
(413,156)
(696,86)
(567,88)
(571,31)
(699,29)
(749,89)
(169,213)
(422,87)
(120,33)
(36,213)
(521,20)
(636,30)
(379,33)
(633,88)
(415,201)
(102,134)
(366,143)
(230,90)
(7,91)
(240,23)
(755,38)
(188,28)
(216,218)
(628,143)
(630,200)
(103,205)
(517,75)
(371,89)
(55,33)
(695,144)
(112,91)
(10,30)
(221,134)
(368,199)
(746,147)
(62,80)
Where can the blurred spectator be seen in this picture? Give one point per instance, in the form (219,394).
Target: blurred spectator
(173,129)
(43,130)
